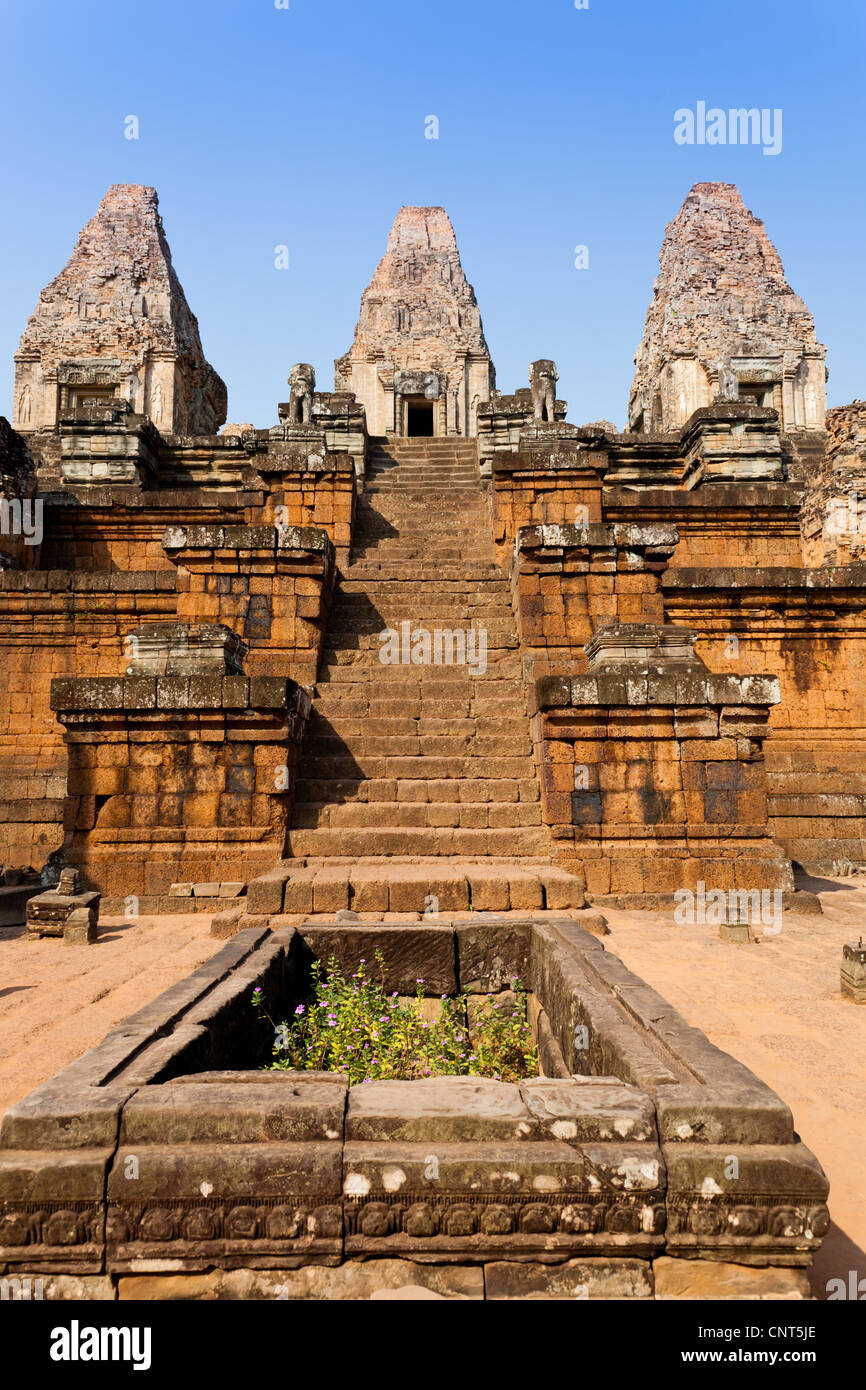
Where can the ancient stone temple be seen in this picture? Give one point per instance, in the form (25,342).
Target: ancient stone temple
(724,324)
(419,363)
(678,610)
(425,670)
(115,325)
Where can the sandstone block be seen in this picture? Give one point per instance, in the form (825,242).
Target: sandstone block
(715,1279)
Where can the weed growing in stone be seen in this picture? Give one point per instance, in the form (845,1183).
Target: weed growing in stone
(354,1026)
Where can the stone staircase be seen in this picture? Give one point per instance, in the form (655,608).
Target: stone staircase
(421,762)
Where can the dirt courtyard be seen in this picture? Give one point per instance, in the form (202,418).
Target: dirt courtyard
(776,1006)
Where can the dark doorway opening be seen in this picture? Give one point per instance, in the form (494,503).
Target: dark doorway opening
(419,418)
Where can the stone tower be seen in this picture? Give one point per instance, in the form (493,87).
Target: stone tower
(724,324)
(419,362)
(115,322)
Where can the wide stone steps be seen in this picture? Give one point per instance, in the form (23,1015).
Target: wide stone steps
(417,468)
(395,607)
(464,768)
(368,647)
(432,444)
(431,591)
(421,491)
(423,683)
(404,517)
(483,726)
(359,647)
(358,606)
(407,571)
(373,617)
(416,815)
(384,478)
(377,483)
(443,463)
(364,671)
(414,745)
(395,551)
(470,509)
(469,789)
(428,760)
(411,840)
(417,887)
(337,704)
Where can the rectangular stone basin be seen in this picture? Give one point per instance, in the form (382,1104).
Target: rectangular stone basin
(166,1150)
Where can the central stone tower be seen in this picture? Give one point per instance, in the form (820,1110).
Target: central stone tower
(419,362)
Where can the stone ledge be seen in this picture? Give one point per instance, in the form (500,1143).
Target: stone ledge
(63,581)
(782,497)
(766,577)
(640,685)
(166,499)
(597,535)
(247,538)
(203,692)
(357,1280)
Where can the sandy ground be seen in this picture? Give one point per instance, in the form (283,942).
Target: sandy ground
(56,1001)
(776,1006)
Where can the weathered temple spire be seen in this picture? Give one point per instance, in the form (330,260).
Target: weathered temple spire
(419,361)
(724,323)
(115,321)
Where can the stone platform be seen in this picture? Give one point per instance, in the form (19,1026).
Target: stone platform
(405,884)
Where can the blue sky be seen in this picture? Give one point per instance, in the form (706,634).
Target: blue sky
(305,127)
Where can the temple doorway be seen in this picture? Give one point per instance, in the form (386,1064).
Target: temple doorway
(419,417)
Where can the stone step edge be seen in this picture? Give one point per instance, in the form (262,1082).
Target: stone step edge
(334,886)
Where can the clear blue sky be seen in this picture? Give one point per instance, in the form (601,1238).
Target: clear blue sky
(305,127)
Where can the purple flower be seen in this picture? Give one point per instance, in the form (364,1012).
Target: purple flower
(299,1009)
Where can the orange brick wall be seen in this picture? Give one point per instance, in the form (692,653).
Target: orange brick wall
(52,625)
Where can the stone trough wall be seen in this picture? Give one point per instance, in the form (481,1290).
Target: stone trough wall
(161,1156)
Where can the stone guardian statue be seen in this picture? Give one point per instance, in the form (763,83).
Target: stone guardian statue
(543,377)
(302,380)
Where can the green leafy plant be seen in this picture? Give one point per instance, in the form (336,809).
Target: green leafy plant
(354,1026)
